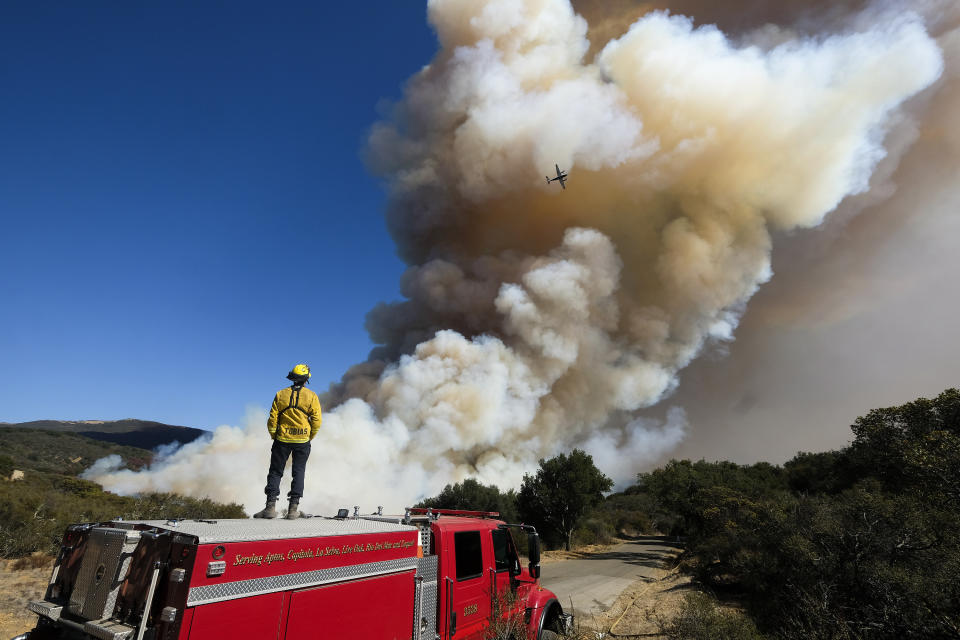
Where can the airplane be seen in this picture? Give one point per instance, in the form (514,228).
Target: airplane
(561,176)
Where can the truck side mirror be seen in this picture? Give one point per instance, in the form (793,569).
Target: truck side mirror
(533,547)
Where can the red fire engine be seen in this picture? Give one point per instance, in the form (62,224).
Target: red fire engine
(428,575)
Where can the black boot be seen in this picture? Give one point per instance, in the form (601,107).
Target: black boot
(269,511)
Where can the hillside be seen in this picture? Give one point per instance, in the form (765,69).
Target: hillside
(60,453)
(46,495)
(145,434)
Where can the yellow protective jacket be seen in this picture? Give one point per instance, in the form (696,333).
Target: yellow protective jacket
(295,415)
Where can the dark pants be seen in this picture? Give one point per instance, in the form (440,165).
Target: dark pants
(278,460)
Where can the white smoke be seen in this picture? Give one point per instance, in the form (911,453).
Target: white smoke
(537,320)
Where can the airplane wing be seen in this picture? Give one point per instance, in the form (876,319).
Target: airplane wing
(561,177)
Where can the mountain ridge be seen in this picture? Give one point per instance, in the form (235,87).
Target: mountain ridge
(146,434)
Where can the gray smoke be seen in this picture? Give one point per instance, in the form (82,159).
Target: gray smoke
(536,319)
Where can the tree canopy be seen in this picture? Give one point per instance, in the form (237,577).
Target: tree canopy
(560,493)
(475,496)
(913,447)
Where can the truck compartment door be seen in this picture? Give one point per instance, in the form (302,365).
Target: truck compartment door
(380,607)
(256,617)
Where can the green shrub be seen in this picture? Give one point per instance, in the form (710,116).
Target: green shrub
(629,513)
(78,487)
(7,465)
(153,506)
(594,531)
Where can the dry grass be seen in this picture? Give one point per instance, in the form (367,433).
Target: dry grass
(577,553)
(21,581)
(643,609)
(36,560)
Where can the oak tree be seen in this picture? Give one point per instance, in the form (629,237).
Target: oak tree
(562,490)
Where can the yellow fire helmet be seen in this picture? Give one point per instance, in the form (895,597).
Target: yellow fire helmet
(300,373)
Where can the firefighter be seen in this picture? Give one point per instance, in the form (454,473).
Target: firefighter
(294,421)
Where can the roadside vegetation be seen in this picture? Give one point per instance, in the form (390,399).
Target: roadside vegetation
(859,543)
(46,496)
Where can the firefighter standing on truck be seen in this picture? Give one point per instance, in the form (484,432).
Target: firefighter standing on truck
(294,421)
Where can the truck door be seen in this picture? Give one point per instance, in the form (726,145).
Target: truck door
(469,587)
(506,564)
(505,557)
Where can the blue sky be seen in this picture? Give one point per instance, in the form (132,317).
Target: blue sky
(185,211)
(184,214)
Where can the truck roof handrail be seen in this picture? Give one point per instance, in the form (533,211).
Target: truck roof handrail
(456,512)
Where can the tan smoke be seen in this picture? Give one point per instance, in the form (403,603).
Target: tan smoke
(860,313)
(537,319)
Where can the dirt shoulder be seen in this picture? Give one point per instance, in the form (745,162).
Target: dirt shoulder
(17,588)
(635,612)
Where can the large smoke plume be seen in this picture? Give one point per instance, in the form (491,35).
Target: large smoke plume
(536,319)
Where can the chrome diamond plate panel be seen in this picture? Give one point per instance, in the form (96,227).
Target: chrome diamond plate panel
(425,599)
(103,568)
(418,629)
(256,586)
(427,567)
(46,609)
(429,610)
(108,630)
(251,529)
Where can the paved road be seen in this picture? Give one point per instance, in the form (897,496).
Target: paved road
(595,582)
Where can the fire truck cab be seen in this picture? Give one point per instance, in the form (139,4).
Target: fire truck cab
(427,575)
